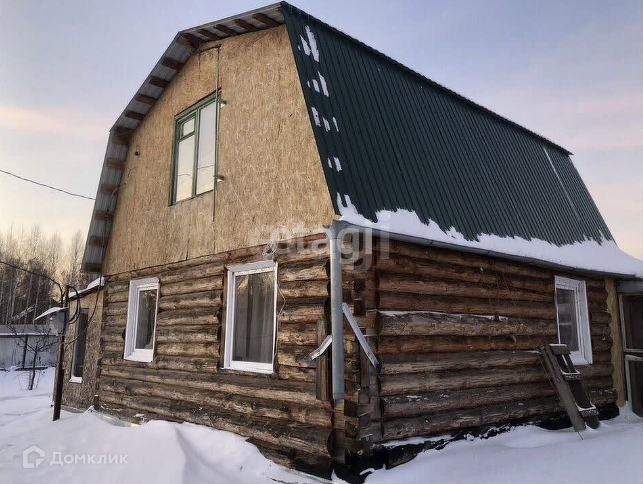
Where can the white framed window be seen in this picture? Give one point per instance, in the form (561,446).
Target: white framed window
(141,319)
(251,322)
(573,319)
(80,344)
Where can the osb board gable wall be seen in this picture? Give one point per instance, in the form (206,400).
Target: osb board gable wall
(454,366)
(267,154)
(81,395)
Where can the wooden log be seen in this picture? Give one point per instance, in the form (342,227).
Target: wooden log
(450,380)
(465,259)
(202,350)
(186,334)
(455,304)
(432,323)
(396,264)
(116,309)
(113,335)
(304,272)
(304,289)
(178,317)
(245,405)
(296,355)
(206,299)
(439,422)
(451,344)
(301,313)
(396,283)
(296,373)
(288,434)
(162,362)
(192,286)
(297,334)
(600,317)
(398,363)
(115,321)
(297,392)
(113,348)
(117,297)
(209,270)
(114,287)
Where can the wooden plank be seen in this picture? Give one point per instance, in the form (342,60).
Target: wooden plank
(96,241)
(122,135)
(208,34)
(142,98)
(158,82)
(264,19)
(115,163)
(95,268)
(247,26)
(190,40)
(134,115)
(225,29)
(103,215)
(108,189)
(171,63)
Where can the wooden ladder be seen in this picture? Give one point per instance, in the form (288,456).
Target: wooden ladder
(566,379)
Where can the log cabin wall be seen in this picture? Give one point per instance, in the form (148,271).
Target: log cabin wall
(456,335)
(280,413)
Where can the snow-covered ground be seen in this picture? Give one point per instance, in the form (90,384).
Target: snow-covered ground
(164,452)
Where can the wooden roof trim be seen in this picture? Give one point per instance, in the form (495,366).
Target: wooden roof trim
(158,82)
(98,241)
(103,215)
(134,115)
(190,40)
(93,267)
(265,19)
(172,63)
(106,189)
(208,34)
(225,29)
(142,98)
(246,25)
(115,163)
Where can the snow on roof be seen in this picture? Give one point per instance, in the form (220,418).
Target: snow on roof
(49,312)
(590,255)
(99,281)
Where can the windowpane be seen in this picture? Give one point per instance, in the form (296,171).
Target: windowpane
(254,315)
(79,346)
(567,318)
(205,163)
(184,168)
(187,127)
(145,319)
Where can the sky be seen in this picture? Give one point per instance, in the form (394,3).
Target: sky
(569,70)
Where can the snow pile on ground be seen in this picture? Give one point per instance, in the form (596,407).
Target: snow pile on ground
(158,451)
(90,448)
(589,254)
(531,455)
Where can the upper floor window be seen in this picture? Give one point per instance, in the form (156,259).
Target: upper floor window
(573,319)
(194,149)
(141,319)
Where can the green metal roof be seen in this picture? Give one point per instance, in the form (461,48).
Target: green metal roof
(392,139)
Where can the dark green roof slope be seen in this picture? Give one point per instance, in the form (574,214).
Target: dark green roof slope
(391,139)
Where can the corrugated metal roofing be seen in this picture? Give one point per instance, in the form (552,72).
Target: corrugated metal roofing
(391,139)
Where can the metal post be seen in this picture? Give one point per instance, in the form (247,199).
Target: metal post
(60,371)
(336,316)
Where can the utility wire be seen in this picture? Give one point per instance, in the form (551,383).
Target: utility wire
(34,273)
(46,186)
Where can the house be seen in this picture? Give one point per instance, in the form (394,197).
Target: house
(271,168)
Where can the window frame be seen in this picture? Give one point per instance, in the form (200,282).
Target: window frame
(130,352)
(192,112)
(243,270)
(584,354)
(73,378)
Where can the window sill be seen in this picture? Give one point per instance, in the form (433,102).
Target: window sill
(76,379)
(174,204)
(247,372)
(143,357)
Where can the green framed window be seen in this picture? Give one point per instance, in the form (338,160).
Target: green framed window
(194,150)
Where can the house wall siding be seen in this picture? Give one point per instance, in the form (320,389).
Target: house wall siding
(280,413)
(273,174)
(459,367)
(81,395)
